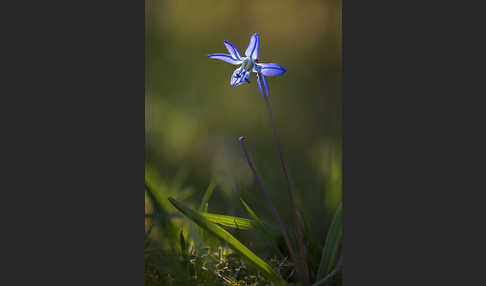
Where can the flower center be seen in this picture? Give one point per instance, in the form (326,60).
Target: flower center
(246,66)
(250,65)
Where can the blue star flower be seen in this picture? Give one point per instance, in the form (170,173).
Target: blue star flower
(248,64)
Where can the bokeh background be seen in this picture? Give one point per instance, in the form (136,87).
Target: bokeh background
(194,116)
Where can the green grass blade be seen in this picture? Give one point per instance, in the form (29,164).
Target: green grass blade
(270,233)
(331,248)
(162,216)
(182,242)
(330,275)
(207,195)
(229,221)
(251,212)
(228,238)
(273,234)
(204,208)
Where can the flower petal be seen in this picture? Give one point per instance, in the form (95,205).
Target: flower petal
(271,69)
(232,50)
(253,47)
(225,58)
(237,78)
(265,85)
(261,77)
(259,83)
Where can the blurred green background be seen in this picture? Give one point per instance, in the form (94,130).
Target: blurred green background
(194,116)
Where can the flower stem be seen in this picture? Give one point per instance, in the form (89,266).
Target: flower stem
(269,200)
(291,192)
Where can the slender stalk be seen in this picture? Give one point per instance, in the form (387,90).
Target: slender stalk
(269,201)
(291,192)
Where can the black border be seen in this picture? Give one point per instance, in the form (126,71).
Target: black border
(74,160)
(411,122)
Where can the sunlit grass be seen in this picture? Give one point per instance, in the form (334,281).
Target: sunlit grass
(220,258)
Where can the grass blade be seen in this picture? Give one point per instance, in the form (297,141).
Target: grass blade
(271,233)
(228,238)
(251,212)
(207,195)
(162,216)
(229,221)
(182,242)
(330,275)
(204,208)
(331,248)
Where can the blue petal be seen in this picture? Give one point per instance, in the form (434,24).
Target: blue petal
(225,58)
(237,78)
(271,69)
(261,77)
(253,47)
(259,83)
(232,50)
(244,78)
(265,85)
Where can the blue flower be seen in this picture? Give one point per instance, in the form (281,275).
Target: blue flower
(248,64)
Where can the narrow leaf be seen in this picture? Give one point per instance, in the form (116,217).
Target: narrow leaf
(204,208)
(207,195)
(270,233)
(162,216)
(229,221)
(331,248)
(183,243)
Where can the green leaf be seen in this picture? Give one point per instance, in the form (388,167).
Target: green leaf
(207,195)
(270,233)
(162,216)
(204,208)
(229,221)
(331,248)
(228,238)
(183,243)
(251,212)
